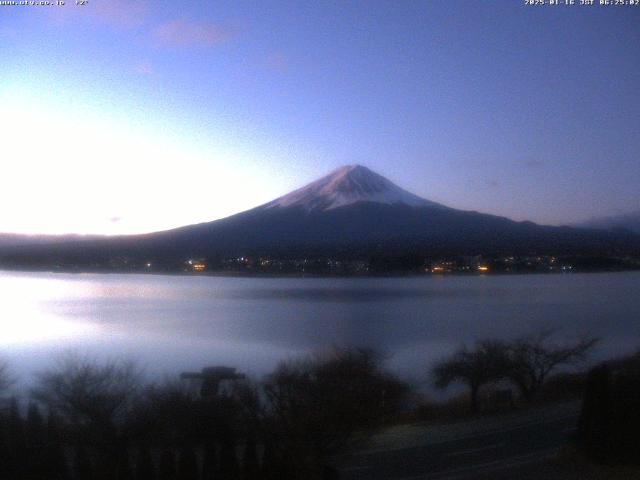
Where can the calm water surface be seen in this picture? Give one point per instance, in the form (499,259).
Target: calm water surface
(174,323)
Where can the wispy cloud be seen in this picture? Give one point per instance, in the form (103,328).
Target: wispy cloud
(186,33)
(144,68)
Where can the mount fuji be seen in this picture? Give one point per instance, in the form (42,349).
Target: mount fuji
(351,213)
(346,186)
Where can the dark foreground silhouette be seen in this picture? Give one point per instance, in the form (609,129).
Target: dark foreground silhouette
(85,420)
(102,424)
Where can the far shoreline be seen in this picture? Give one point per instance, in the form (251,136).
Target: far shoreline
(311,275)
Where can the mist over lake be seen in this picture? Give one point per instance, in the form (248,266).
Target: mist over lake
(176,323)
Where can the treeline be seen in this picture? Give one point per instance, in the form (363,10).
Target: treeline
(524,363)
(71,257)
(88,421)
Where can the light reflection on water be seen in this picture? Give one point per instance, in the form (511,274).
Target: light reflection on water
(24,318)
(173,323)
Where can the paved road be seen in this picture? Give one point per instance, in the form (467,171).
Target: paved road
(489,445)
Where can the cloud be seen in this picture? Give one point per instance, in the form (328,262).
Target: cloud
(115,219)
(144,68)
(186,33)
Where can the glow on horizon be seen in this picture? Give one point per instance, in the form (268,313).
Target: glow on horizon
(84,172)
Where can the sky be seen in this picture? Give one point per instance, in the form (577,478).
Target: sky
(132,116)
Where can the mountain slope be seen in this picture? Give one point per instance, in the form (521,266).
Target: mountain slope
(353,209)
(629,221)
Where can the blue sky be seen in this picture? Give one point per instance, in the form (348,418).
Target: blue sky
(127,116)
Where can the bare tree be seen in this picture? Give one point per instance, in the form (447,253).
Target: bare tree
(486,363)
(96,399)
(532,359)
(319,404)
(87,393)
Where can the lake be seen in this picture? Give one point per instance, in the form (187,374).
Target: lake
(172,323)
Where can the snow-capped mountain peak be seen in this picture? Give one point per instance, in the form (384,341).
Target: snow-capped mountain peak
(349,185)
